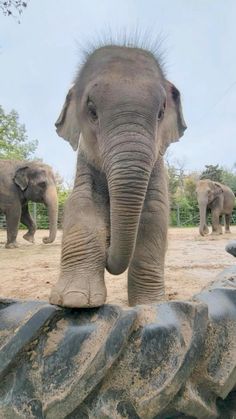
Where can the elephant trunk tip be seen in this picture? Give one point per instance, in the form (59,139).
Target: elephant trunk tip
(116,265)
(48,240)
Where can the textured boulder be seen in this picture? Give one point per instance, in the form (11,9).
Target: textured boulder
(171,360)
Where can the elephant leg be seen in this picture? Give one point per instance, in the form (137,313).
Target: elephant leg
(12,221)
(81,282)
(27,220)
(227,223)
(216,226)
(205,229)
(146,271)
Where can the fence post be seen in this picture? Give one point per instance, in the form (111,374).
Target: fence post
(178,216)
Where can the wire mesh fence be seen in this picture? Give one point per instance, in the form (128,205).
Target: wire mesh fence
(179,216)
(185,217)
(40,215)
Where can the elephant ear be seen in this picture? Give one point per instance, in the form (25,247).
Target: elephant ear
(67,123)
(217,188)
(21,178)
(173,125)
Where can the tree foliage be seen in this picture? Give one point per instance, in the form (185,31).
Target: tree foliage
(212,172)
(229,178)
(10,7)
(14,143)
(220,174)
(173,182)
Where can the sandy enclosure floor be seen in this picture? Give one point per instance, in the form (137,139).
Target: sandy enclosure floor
(192,262)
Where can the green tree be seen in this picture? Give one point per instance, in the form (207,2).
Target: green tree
(14,143)
(212,172)
(229,178)
(173,183)
(190,182)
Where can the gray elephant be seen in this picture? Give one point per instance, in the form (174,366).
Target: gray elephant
(126,114)
(217,198)
(20,182)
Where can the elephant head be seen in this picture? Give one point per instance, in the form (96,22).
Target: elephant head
(207,192)
(126,114)
(37,183)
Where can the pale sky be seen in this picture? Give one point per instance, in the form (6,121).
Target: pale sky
(39,58)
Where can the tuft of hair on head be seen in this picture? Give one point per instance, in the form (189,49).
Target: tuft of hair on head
(137,38)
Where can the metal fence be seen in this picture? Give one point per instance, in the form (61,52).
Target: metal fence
(184,217)
(40,215)
(179,217)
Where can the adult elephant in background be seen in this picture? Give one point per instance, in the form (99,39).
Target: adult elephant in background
(117,215)
(217,198)
(20,182)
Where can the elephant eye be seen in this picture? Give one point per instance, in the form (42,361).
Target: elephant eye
(42,184)
(161,112)
(92,110)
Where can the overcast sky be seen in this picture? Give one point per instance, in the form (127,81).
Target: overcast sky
(39,57)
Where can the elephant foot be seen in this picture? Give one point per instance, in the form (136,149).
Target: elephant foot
(12,245)
(204,231)
(76,299)
(78,294)
(227,232)
(47,240)
(215,233)
(29,237)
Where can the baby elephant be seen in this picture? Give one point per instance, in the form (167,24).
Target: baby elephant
(20,182)
(217,198)
(126,114)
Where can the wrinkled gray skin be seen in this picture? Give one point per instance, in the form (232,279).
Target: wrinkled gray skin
(20,182)
(217,198)
(116,217)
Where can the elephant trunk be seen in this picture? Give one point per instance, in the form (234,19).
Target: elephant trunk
(203,225)
(128,176)
(50,200)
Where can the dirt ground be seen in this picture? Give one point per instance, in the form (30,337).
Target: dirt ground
(192,262)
